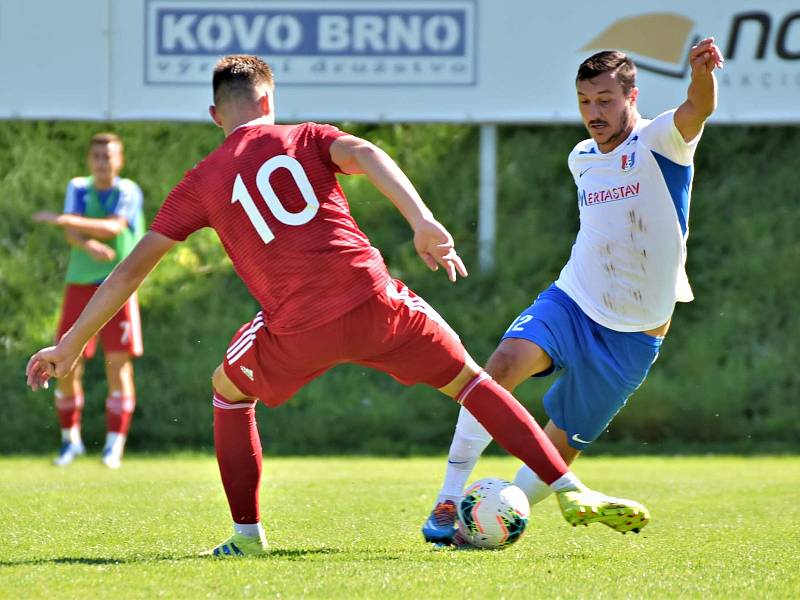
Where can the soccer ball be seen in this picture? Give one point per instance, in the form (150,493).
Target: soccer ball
(493,513)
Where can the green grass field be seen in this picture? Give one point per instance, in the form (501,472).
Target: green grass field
(723,527)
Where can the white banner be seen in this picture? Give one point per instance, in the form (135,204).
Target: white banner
(388,60)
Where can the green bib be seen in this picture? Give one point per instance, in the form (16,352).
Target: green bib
(82,267)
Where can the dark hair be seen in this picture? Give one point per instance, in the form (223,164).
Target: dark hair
(103,138)
(237,75)
(618,63)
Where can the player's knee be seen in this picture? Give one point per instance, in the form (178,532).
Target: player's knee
(504,365)
(515,360)
(218,378)
(117,361)
(468,372)
(77,372)
(222,384)
(71,379)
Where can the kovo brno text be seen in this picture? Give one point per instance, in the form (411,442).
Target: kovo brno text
(316,33)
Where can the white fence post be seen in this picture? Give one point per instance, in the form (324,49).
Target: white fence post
(487,199)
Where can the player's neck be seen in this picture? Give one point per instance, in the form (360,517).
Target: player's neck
(237,120)
(623,135)
(102,184)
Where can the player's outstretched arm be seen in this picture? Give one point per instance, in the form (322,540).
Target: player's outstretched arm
(434,244)
(701,98)
(57,361)
(100,228)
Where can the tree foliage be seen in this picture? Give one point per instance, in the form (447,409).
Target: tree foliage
(727,372)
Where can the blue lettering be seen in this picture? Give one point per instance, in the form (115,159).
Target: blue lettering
(306,32)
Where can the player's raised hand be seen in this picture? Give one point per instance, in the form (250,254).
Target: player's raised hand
(705,56)
(49,362)
(435,246)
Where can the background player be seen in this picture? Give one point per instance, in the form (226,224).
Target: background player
(102,222)
(602,322)
(270,192)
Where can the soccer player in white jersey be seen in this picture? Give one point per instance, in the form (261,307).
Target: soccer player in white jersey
(603,321)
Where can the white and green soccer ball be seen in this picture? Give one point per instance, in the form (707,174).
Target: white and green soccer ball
(493,513)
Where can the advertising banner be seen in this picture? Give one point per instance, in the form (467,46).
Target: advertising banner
(492,61)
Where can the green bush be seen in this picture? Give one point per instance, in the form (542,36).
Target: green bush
(727,373)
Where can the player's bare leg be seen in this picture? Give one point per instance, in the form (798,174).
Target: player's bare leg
(120,404)
(69,404)
(516,360)
(238,449)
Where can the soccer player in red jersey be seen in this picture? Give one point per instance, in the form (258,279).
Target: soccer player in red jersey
(271,194)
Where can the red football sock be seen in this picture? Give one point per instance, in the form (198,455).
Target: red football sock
(512,426)
(239,456)
(119,412)
(69,410)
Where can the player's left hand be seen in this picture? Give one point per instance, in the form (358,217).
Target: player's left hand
(705,56)
(45,216)
(435,246)
(49,362)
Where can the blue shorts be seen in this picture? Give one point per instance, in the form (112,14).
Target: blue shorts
(601,367)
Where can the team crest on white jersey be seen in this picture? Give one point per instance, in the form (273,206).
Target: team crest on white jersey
(248,372)
(628,161)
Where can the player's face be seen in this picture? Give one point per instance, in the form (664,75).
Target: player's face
(105,162)
(608,114)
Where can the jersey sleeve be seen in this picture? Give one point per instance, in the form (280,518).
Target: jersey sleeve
(325,135)
(661,135)
(182,212)
(581,154)
(572,161)
(71,198)
(130,201)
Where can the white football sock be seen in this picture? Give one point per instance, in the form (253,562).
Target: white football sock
(71,434)
(249,529)
(115,442)
(469,441)
(529,482)
(567,482)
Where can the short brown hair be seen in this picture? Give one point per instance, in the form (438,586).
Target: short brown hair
(105,137)
(617,62)
(236,75)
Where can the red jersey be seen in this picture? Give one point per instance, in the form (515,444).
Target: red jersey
(271,194)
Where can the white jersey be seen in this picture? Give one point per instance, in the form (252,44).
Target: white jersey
(627,267)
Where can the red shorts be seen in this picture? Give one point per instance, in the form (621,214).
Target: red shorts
(123,333)
(395,331)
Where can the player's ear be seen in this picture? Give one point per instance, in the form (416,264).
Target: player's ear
(633,96)
(265,103)
(212,110)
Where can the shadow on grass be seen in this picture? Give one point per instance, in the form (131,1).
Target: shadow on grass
(85,560)
(290,553)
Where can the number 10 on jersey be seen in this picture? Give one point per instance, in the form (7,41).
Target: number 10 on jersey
(242,195)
